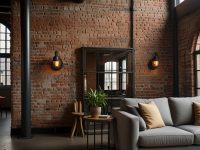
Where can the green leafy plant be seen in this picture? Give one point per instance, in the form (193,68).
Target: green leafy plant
(97,98)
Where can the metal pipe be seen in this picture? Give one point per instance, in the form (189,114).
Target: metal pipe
(25,70)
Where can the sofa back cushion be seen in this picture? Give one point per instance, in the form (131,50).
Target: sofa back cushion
(163,107)
(130,105)
(133,110)
(181,109)
(132,102)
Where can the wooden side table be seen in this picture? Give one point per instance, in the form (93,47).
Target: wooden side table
(102,119)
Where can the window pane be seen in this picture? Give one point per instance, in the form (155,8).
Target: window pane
(5,73)
(2,45)
(8,44)
(2,50)
(8,73)
(3,79)
(198,61)
(198,79)
(2,36)
(124,64)
(2,28)
(8,36)
(2,66)
(198,92)
(8,80)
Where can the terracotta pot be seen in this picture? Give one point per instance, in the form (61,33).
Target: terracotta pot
(95,112)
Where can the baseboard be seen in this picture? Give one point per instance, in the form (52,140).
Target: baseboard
(55,130)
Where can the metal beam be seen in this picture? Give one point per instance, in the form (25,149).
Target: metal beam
(25,70)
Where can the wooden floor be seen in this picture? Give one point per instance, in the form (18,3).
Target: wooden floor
(41,141)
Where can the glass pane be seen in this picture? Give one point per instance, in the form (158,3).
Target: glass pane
(8,66)
(198,61)
(8,44)
(2,44)
(124,64)
(8,80)
(198,92)
(2,60)
(2,36)
(3,80)
(8,73)
(8,36)
(2,66)
(2,50)
(2,28)
(8,60)
(3,72)
(198,79)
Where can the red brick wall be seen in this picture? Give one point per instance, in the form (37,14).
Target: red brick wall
(63,26)
(188,30)
(67,26)
(153,33)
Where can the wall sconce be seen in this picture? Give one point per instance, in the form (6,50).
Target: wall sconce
(57,63)
(154,62)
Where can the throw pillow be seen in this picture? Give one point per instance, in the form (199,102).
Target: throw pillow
(151,115)
(133,110)
(163,107)
(196,110)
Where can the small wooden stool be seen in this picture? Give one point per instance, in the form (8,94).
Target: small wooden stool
(78,118)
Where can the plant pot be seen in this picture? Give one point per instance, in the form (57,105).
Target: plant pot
(95,112)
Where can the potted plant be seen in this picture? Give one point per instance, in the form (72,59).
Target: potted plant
(96,100)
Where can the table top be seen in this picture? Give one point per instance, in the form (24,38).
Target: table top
(78,113)
(102,118)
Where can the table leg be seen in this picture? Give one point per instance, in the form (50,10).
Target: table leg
(94,135)
(108,135)
(87,134)
(81,124)
(74,127)
(101,134)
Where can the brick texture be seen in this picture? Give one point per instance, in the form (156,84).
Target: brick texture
(188,30)
(63,26)
(67,26)
(152,33)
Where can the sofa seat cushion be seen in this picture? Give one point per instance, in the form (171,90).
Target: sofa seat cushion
(165,136)
(193,129)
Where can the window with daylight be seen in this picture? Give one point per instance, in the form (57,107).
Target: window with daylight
(4,55)
(197,67)
(178,2)
(111,76)
(124,74)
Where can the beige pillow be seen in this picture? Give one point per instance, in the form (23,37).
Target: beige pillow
(151,115)
(196,110)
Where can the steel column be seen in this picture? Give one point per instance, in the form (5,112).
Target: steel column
(25,70)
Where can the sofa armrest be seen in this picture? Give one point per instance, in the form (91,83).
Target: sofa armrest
(127,127)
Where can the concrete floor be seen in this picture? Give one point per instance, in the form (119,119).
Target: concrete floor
(41,141)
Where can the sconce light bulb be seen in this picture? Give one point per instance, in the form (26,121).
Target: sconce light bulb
(155,63)
(57,63)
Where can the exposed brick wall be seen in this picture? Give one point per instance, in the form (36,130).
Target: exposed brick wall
(67,26)
(153,33)
(63,26)
(188,30)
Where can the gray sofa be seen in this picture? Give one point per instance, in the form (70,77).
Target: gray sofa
(179,132)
